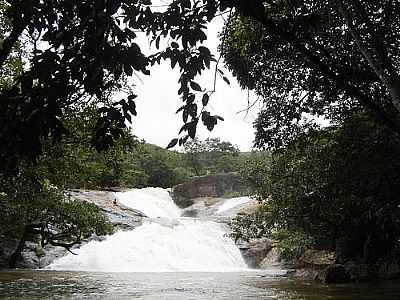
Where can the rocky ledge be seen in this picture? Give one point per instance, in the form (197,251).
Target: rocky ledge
(35,257)
(215,186)
(323,266)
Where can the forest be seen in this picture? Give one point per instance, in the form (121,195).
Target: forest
(326,72)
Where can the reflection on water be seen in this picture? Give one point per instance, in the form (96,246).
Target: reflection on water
(252,285)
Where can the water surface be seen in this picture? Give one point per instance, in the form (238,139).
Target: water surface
(249,285)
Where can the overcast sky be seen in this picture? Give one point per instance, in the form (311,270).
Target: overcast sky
(158,101)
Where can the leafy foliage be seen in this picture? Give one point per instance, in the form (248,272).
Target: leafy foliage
(312,59)
(336,184)
(211,156)
(292,244)
(84,51)
(31,207)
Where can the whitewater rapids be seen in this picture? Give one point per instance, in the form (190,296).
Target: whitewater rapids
(165,242)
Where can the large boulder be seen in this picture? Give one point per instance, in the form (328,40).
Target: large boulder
(217,185)
(334,274)
(255,251)
(272,259)
(7,247)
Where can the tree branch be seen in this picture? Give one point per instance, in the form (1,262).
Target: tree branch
(391,81)
(340,80)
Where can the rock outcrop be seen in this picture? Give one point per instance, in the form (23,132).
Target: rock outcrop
(35,257)
(119,215)
(207,186)
(255,251)
(272,259)
(334,274)
(317,259)
(322,266)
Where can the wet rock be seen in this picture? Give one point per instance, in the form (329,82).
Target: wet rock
(123,220)
(255,251)
(361,272)
(304,274)
(272,259)
(7,247)
(334,274)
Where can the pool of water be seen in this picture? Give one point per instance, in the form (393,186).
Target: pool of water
(250,285)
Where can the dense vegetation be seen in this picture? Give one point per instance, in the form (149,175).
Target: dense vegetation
(329,187)
(335,188)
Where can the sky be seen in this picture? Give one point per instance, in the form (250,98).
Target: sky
(158,101)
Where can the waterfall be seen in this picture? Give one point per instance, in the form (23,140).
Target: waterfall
(165,242)
(232,203)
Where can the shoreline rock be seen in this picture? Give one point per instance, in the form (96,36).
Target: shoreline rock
(321,265)
(36,257)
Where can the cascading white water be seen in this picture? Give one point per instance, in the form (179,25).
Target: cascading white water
(165,243)
(232,203)
(153,202)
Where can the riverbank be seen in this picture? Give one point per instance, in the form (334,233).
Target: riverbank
(319,266)
(34,256)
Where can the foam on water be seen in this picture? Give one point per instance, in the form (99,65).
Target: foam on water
(166,244)
(153,202)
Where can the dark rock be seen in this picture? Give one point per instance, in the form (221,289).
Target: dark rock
(334,274)
(304,274)
(272,259)
(317,259)
(361,272)
(190,213)
(255,251)
(207,186)
(389,269)
(7,247)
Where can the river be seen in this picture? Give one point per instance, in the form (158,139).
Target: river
(172,257)
(249,285)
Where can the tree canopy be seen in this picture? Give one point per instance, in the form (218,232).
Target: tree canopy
(310,59)
(334,185)
(321,57)
(211,156)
